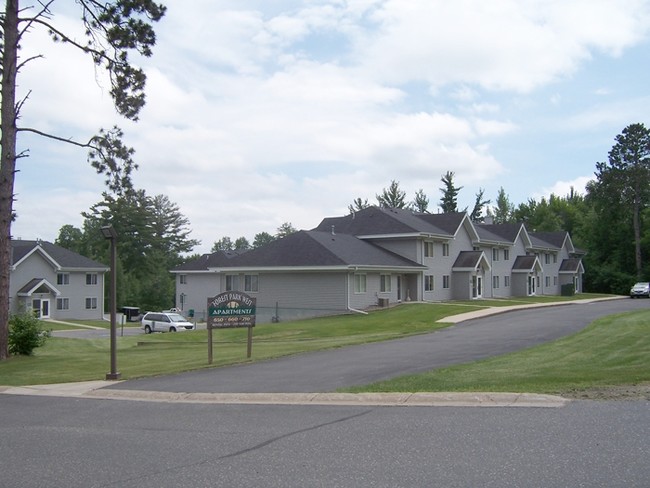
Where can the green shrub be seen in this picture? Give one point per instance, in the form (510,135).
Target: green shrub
(25,334)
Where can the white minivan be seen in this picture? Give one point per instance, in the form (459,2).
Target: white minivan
(165,322)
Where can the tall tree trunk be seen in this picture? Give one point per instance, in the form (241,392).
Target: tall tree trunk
(7,163)
(637,237)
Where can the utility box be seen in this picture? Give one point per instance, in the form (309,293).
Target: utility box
(568,290)
(132,314)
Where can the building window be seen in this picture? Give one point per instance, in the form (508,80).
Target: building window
(384,283)
(495,254)
(251,283)
(230,282)
(91,278)
(445,249)
(428,283)
(548,281)
(495,282)
(428,249)
(359,283)
(506,281)
(183,300)
(547,258)
(91,303)
(63,278)
(63,304)
(506,254)
(182,279)
(445,281)
(554,258)
(555,280)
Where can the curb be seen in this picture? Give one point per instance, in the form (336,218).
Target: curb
(95,390)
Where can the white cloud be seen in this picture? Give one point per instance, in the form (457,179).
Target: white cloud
(502,45)
(264,112)
(563,188)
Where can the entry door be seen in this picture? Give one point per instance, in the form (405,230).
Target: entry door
(41,307)
(531,285)
(477,286)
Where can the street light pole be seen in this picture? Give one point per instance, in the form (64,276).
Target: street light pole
(109,233)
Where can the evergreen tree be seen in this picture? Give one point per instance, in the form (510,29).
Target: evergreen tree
(421,201)
(113,30)
(449,200)
(285,229)
(392,197)
(624,182)
(242,244)
(479,203)
(261,239)
(504,211)
(358,204)
(223,244)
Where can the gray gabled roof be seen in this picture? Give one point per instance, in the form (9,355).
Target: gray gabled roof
(571,265)
(313,249)
(206,261)
(526,263)
(498,232)
(549,240)
(385,222)
(470,260)
(448,222)
(34,285)
(60,257)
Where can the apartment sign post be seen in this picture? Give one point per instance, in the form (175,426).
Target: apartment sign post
(229,310)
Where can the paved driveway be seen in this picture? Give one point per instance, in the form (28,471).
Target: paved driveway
(357,365)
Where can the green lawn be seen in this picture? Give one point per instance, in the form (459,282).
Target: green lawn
(65,360)
(612,351)
(79,324)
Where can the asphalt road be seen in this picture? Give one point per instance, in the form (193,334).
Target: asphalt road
(326,371)
(85,443)
(80,442)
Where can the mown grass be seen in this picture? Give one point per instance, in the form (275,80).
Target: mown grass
(64,360)
(80,324)
(612,351)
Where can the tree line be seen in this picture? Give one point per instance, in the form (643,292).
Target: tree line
(609,222)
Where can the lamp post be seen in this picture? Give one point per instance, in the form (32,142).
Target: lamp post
(108,231)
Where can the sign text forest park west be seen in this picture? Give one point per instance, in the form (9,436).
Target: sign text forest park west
(231,309)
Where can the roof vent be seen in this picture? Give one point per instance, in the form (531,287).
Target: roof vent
(333,233)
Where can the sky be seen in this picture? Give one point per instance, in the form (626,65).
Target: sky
(263,112)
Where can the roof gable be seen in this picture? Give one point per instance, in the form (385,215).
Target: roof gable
(470,261)
(318,249)
(59,257)
(206,261)
(526,264)
(551,240)
(503,233)
(386,222)
(34,285)
(571,265)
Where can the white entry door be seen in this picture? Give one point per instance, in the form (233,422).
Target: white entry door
(41,307)
(477,286)
(531,285)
